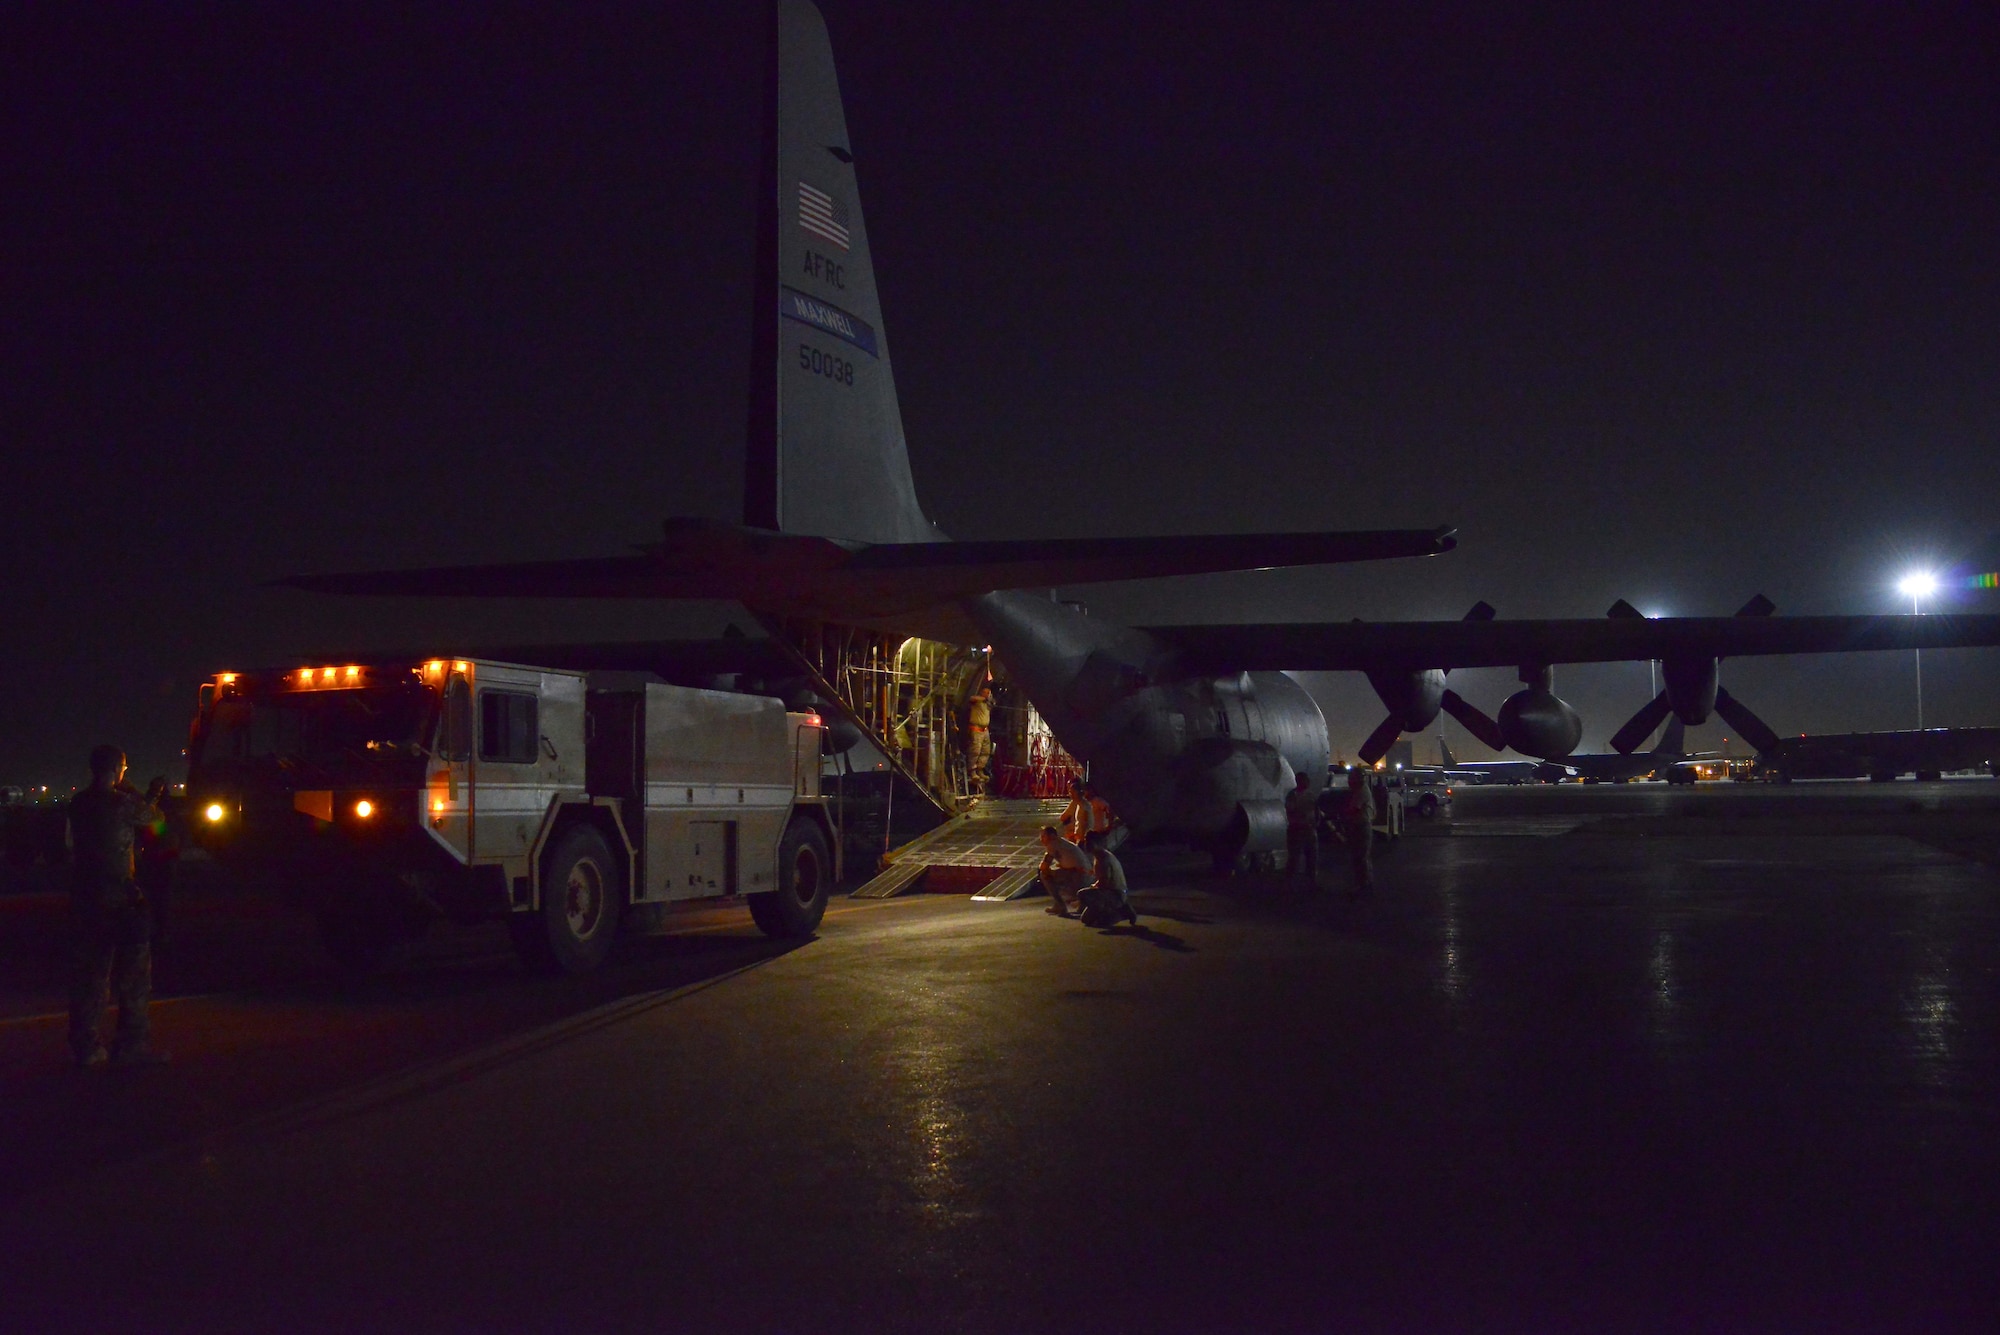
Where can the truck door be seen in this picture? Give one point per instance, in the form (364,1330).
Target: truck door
(451,795)
(807,747)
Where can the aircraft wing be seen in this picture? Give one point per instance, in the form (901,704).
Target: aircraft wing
(1364,646)
(712,560)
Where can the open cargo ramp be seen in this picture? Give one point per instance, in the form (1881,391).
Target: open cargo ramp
(991,850)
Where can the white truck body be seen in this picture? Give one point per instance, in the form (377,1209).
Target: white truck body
(500,788)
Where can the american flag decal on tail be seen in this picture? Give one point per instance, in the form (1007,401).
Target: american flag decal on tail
(823,215)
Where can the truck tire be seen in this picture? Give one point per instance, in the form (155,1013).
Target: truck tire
(583,897)
(805,870)
(1427,805)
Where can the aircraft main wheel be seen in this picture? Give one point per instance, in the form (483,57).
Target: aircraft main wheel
(583,897)
(805,873)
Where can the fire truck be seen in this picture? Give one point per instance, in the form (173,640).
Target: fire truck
(383,796)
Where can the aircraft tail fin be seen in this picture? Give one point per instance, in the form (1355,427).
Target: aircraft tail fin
(1673,739)
(1445,759)
(832,526)
(826,453)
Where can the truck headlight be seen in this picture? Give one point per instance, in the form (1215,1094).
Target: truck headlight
(364,808)
(213,811)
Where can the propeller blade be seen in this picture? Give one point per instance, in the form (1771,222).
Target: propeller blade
(1380,740)
(1640,726)
(1476,723)
(1748,726)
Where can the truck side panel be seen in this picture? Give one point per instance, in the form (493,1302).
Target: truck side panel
(719,790)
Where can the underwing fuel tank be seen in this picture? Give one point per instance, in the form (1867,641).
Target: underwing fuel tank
(1208,759)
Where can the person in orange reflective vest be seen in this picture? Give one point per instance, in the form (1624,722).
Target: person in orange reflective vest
(1102,821)
(979,739)
(1075,819)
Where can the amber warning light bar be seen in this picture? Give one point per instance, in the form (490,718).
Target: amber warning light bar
(325,678)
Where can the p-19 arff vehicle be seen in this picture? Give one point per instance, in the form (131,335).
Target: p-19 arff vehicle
(1194,732)
(382,795)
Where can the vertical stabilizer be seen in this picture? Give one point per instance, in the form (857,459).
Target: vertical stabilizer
(826,451)
(1444,752)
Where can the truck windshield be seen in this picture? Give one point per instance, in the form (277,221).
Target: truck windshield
(322,727)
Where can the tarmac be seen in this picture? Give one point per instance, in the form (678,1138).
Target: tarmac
(1594,1059)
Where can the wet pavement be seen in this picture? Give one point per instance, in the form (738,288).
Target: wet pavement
(1598,1059)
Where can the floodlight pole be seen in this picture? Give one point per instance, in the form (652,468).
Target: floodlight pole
(1916,609)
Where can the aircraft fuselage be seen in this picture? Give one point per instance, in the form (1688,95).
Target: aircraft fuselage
(1209,759)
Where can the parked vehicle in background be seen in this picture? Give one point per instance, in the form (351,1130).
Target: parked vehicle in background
(1427,792)
(1389,806)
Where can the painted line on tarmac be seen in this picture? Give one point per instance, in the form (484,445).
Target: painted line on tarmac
(156,1001)
(832,911)
(410,1085)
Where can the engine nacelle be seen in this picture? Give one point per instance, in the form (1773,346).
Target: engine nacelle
(1691,685)
(1536,723)
(1412,698)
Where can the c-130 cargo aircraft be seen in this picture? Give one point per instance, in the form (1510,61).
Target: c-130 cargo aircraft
(1194,732)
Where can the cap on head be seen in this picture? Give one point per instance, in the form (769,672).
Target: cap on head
(1051,832)
(106,761)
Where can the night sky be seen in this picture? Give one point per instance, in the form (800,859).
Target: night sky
(1667,304)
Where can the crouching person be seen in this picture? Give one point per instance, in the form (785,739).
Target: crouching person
(1064,872)
(1107,898)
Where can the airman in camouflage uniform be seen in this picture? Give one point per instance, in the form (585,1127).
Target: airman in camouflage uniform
(108,916)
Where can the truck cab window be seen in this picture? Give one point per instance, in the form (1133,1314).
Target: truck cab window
(508,727)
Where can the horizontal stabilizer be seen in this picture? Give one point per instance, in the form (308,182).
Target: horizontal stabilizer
(800,575)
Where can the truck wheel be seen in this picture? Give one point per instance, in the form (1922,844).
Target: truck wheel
(804,871)
(1427,805)
(583,896)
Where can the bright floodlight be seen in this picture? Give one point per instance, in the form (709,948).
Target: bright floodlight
(1922,584)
